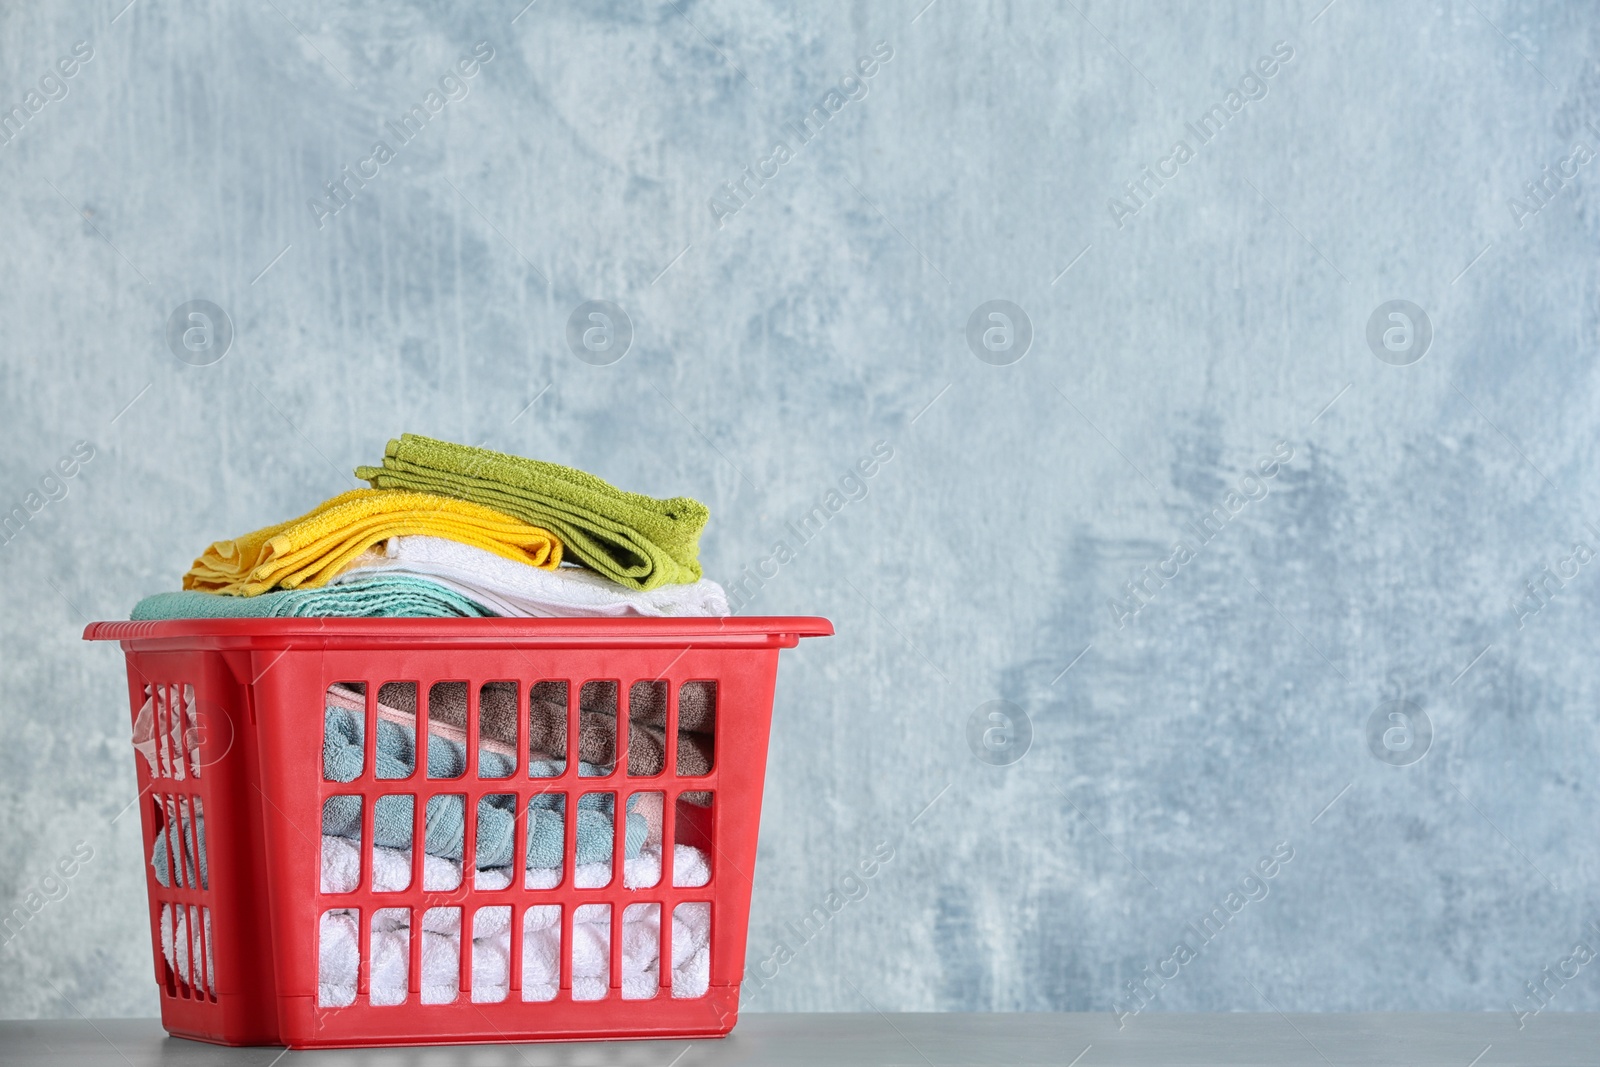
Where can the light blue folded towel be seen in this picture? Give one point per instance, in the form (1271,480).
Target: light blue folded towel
(392,816)
(378,595)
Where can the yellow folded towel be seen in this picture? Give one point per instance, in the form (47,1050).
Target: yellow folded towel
(311,550)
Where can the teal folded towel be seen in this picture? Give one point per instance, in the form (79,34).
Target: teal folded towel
(442,830)
(378,595)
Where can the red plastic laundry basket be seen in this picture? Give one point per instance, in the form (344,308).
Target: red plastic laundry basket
(250,768)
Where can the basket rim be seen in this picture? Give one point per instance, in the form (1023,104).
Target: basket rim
(701,631)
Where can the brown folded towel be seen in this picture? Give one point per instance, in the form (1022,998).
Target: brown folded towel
(447,703)
(697,705)
(597,729)
(646,744)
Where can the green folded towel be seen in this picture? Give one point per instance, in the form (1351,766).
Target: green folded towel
(366,596)
(636,541)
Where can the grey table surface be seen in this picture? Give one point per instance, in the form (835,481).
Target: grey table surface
(1079,1040)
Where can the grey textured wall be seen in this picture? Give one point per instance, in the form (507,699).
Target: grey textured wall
(1236,703)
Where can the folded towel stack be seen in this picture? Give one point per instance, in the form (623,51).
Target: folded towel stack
(452,531)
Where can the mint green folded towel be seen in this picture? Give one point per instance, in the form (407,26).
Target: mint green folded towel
(367,596)
(636,541)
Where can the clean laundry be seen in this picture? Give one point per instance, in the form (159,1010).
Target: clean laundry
(635,540)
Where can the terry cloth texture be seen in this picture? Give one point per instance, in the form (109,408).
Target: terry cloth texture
(339,947)
(368,595)
(310,550)
(342,754)
(353,697)
(188,832)
(512,589)
(636,541)
(498,711)
(442,830)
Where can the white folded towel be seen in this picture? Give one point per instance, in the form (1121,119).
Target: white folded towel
(491,933)
(491,954)
(516,589)
(176,946)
